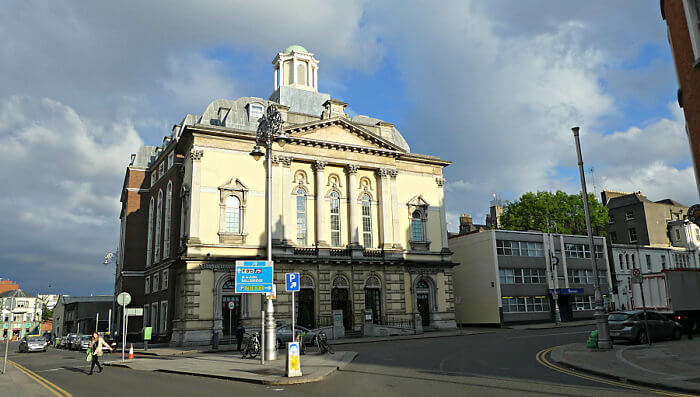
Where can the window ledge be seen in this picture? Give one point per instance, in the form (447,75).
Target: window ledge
(420,245)
(232,238)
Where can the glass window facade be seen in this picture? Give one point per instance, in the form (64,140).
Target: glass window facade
(301,217)
(335,219)
(366,221)
(519,248)
(525,304)
(522,276)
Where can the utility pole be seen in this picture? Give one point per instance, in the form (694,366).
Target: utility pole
(9,332)
(600,316)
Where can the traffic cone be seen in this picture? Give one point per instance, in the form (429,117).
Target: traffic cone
(131,352)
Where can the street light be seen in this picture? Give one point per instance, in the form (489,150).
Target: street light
(268,132)
(108,258)
(601,318)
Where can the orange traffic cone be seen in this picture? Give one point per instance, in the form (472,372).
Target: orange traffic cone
(131,352)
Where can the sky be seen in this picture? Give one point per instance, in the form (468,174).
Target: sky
(494,86)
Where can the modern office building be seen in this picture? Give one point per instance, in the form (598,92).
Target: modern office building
(507,277)
(353,210)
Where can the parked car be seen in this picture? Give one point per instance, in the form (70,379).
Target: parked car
(74,342)
(32,343)
(63,342)
(284,335)
(49,338)
(70,338)
(111,341)
(629,325)
(83,342)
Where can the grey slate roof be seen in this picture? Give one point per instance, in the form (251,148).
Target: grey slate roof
(16,293)
(66,299)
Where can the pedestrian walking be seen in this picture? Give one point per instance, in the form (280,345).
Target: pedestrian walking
(96,349)
(240,331)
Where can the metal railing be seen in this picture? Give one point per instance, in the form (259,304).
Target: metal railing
(398,321)
(339,252)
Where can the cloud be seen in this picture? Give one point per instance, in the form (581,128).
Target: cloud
(63,176)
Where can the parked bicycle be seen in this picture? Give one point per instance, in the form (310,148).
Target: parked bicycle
(322,343)
(252,347)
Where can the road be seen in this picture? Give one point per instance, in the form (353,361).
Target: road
(502,362)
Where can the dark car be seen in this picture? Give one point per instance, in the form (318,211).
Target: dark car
(32,343)
(629,325)
(284,335)
(72,338)
(83,342)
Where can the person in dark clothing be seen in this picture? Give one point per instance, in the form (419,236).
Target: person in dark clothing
(688,326)
(240,331)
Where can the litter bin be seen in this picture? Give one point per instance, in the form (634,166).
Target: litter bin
(215,340)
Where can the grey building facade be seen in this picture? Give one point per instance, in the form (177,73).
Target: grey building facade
(507,277)
(79,314)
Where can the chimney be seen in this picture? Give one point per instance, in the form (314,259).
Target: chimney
(385,130)
(466,224)
(333,108)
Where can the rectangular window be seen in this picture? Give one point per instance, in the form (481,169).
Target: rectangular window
(156,283)
(301,217)
(663,262)
(335,220)
(582,276)
(648,262)
(584,302)
(147,284)
(161,169)
(255,112)
(367,223)
(154,317)
(163,316)
(519,248)
(525,304)
(171,160)
(629,215)
(633,234)
(146,318)
(164,280)
(507,276)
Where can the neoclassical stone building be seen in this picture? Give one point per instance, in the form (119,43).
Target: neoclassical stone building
(354,211)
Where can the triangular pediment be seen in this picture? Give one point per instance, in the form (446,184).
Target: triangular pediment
(340,131)
(234,184)
(418,201)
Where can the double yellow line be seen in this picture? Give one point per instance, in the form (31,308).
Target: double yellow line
(541,357)
(57,391)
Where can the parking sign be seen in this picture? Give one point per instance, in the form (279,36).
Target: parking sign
(292,282)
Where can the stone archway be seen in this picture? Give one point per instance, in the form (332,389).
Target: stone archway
(424,298)
(340,299)
(306,308)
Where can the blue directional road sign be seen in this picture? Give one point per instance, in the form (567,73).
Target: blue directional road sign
(292,282)
(254,277)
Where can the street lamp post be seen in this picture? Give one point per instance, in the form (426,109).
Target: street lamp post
(269,132)
(109,257)
(601,318)
(9,330)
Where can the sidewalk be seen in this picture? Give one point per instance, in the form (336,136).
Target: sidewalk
(190,350)
(568,324)
(15,383)
(315,367)
(670,364)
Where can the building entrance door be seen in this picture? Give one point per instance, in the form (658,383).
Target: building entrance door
(373,302)
(234,315)
(423,303)
(305,308)
(340,301)
(565,308)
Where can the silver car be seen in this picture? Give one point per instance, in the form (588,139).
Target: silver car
(32,343)
(630,326)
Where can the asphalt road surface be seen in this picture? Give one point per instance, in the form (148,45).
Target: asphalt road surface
(502,362)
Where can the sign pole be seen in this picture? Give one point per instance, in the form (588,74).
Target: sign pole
(109,323)
(262,333)
(123,330)
(97,323)
(293,312)
(230,331)
(638,279)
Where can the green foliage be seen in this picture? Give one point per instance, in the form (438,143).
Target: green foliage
(564,212)
(46,313)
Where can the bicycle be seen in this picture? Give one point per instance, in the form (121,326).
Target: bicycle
(252,347)
(322,343)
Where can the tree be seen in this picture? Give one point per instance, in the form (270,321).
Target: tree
(557,212)
(46,313)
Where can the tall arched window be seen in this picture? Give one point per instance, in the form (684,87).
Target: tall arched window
(149,244)
(627,261)
(159,223)
(301,217)
(622,264)
(233,215)
(367,221)
(166,232)
(417,232)
(335,219)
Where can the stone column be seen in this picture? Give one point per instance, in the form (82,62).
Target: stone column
(276,71)
(385,236)
(281,72)
(294,71)
(196,155)
(443,216)
(288,218)
(396,230)
(318,167)
(308,74)
(351,171)
(316,78)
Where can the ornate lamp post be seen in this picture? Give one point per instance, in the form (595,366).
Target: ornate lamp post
(268,132)
(601,318)
(112,256)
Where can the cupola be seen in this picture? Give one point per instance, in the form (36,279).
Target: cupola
(296,67)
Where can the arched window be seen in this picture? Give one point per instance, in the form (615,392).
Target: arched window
(233,214)
(422,285)
(159,223)
(622,264)
(301,217)
(301,74)
(634,262)
(166,232)
(417,232)
(627,261)
(366,221)
(230,284)
(149,244)
(335,219)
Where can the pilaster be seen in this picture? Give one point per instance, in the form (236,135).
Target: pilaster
(385,235)
(318,167)
(351,171)
(443,216)
(195,193)
(396,232)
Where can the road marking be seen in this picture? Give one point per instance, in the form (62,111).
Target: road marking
(57,391)
(541,358)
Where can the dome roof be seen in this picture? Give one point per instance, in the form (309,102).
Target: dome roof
(296,48)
